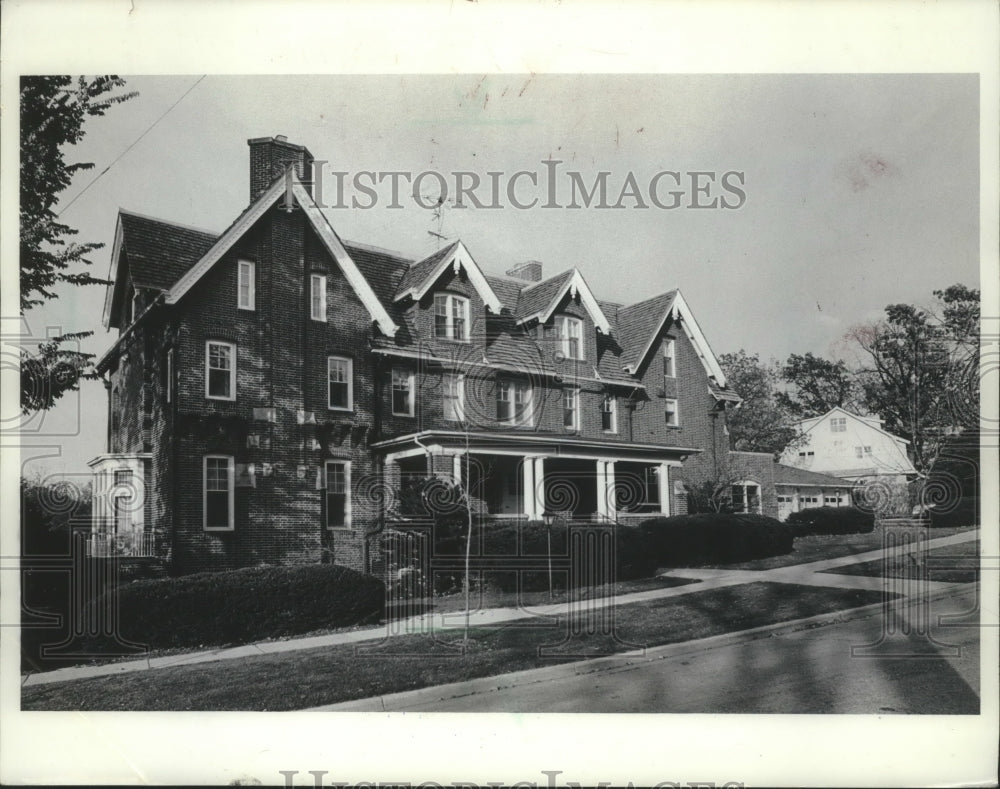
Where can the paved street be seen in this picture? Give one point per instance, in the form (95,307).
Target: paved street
(804,671)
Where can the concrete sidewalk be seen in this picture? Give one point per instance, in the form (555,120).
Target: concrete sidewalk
(802,574)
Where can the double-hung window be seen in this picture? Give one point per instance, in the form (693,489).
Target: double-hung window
(219,479)
(340,383)
(245,286)
(317,297)
(609,414)
(453,396)
(338,494)
(402,392)
(571,409)
(838,424)
(220,370)
(672,414)
(451,317)
(669,367)
(514,402)
(571,335)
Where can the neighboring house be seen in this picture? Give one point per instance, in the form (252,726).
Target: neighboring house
(854,448)
(272,389)
(798,489)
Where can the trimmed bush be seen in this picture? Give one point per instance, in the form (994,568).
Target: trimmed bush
(714,538)
(241,606)
(831,520)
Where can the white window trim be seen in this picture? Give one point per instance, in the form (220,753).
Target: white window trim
(410,398)
(527,414)
(676,411)
(450,300)
(746,499)
(232,370)
(564,322)
(670,353)
(231,490)
(459,379)
(350,382)
(347,493)
(574,392)
(613,411)
(317,285)
(246,274)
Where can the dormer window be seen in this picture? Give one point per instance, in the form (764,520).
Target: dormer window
(451,317)
(571,336)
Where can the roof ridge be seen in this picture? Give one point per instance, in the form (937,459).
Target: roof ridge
(149,218)
(379,250)
(670,292)
(550,279)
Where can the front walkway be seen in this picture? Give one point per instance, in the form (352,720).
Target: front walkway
(810,574)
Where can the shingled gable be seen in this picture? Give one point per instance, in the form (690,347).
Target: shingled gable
(158,253)
(642,323)
(539,301)
(319,222)
(424,273)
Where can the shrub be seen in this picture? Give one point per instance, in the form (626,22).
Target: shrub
(242,606)
(685,540)
(831,520)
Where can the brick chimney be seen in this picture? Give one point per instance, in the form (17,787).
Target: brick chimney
(531,271)
(269,156)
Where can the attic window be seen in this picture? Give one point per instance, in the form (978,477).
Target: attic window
(451,317)
(838,424)
(571,334)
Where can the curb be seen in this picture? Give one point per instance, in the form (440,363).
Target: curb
(612,664)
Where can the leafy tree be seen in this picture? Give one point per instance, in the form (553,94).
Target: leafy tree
(920,370)
(53,112)
(761,423)
(819,385)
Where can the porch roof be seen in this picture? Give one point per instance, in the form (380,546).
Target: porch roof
(532,443)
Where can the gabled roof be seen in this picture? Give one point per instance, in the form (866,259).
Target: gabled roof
(158,253)
(806,425)
(423,274)
(642,323)
(789,475)
(540,300)
(330,240)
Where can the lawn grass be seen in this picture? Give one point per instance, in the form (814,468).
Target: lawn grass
(957,564)
(490,598)
(330,674)
(816,547)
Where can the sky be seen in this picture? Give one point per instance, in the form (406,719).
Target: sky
(861,190)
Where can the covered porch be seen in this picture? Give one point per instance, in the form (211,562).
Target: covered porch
(529,477)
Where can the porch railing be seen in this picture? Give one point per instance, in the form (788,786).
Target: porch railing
(128,544)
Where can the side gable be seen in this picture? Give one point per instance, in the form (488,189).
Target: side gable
(540,300)
(646,321)
(807,425)
(331,241)
(155,253)
(425,273)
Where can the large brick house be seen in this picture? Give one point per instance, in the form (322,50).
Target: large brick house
(272,388)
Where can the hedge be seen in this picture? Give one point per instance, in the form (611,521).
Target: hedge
(241,606)
(714,538)
(831,520)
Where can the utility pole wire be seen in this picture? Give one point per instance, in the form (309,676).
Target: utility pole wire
(130,147)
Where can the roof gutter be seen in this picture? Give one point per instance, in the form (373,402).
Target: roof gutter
(101,364)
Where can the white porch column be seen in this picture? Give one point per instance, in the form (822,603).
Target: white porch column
(528,486)
(663,482)
(610,497)
(456,468)
(539,487)
(602,488)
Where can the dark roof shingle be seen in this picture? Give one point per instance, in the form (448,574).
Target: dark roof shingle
(160,253)
(789,475)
